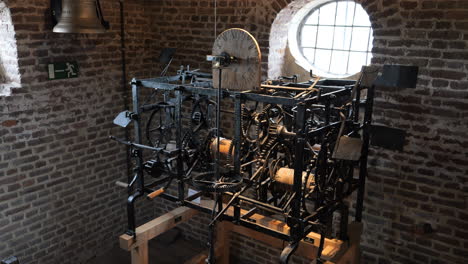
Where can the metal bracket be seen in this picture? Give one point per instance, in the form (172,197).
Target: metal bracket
(124,118)
(398,76)
(222,60)
(10,260)
(287,252)
(388,137)
(136,152)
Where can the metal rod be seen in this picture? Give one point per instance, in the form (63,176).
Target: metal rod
(218,122)
(351,39)
(124,85)
(364,154)
(137,129)
(131,212)
(333,38)
(136,145)
(316,37)
(180,168)
(237,133)
(235,196)
(357,51)
(265,206)
(339,26)
(279,87)
(298,169)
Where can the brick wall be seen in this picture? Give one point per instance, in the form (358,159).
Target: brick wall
(189,26)
(57,200)
(58,203)
(427,182)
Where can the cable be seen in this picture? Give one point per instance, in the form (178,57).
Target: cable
(216,18)
(124,84)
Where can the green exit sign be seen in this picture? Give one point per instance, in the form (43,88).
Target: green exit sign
(63,70)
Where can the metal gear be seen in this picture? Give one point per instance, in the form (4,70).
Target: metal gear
(204,182)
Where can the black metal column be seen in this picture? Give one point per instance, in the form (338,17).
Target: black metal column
(178,121)
(296,227)
(365,153)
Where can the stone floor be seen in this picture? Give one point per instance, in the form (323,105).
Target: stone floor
(169,248)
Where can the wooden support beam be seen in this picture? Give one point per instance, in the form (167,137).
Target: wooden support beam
(222,245)
(267,86)
(198,259)
(353,254)
(335,251)
(140,254)
(331,248)
(201,258)
(223,236)
(139,246)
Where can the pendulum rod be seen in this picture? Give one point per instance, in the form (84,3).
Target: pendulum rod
(218,126)
(215,18)
(218,198)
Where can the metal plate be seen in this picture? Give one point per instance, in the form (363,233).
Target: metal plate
(388,137)
(398,76)
(348,149)
(123,119)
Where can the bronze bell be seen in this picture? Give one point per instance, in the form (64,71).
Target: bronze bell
(83,16)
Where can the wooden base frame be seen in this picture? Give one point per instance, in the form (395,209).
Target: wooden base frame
(334,252)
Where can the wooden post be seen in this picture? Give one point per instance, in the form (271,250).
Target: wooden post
(334,251)
(353,254)
(139,246)
(223,235)
(140,254)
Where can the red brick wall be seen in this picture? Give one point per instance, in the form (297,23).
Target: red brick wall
(58,201)
(427,182)
(189,26)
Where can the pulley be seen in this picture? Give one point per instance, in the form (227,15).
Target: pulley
(284,177)
(82,16)
(226,150)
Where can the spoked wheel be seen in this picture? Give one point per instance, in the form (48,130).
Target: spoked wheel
(160,129)
(206,182)
(201,122)
(203,115)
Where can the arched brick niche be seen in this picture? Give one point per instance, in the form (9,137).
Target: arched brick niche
(9,73)
(280,59)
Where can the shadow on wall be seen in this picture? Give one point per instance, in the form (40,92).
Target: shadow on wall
(9,73)
(290,67)
(280,60)
(2,72)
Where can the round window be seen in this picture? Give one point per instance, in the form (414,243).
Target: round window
(333,38)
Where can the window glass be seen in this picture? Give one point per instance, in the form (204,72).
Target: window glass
(342,38)
(309,36)
(313,19)
(336,38)
(345,13)
(327,14)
